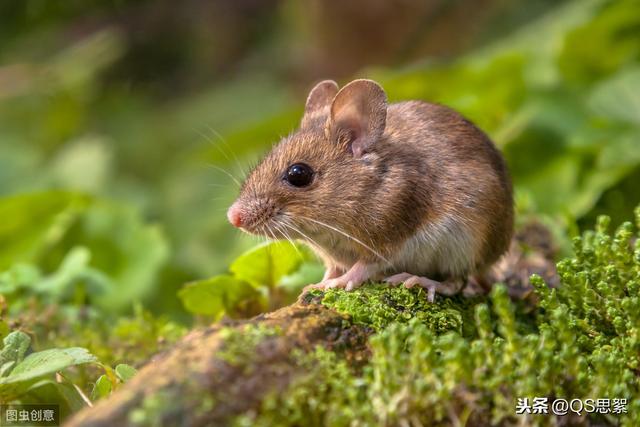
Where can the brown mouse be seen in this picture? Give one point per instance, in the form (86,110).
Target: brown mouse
(409,192)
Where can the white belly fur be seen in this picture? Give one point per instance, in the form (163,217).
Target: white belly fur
(445,248)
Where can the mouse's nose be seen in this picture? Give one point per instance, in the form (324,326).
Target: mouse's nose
(234,214)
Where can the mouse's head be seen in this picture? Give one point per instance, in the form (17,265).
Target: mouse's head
(322,173)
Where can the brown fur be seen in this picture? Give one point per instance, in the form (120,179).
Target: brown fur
(383,174)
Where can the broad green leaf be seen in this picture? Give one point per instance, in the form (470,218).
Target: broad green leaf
(122,246)
(485,91)
(215,296)
(74,268)
(601,45)
(618,97)
(32,222)
(47,362)
(291,285)
(102,388)
(623,151)
(125,372)
(6,368)
(15,346)
(71,282)
(308,272)
(267,264)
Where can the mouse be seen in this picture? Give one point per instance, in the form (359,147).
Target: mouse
(409,193)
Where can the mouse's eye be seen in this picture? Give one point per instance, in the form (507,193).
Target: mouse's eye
(299,175)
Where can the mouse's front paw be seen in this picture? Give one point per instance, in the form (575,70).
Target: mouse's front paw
(349,281)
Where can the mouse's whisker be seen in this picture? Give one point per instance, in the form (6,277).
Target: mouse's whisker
(317,245)
(224,142)
(347,235)
(268,229)
(209,140)
(282,230)
(226,172)
(289,223)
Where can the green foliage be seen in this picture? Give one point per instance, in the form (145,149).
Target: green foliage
(32,222)
(585,346)
(269,275)
(46,362)
(21,373)
(68,305)
(267,264)
(111,380)
(27,377)
(125,372)
(108,256)
(219,295)
(610,31)
(102,388)
(60,309)
(15,346)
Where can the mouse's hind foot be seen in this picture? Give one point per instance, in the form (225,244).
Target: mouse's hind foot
(447,287)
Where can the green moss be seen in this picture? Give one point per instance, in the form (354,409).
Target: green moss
(585,344)
(239,347)
(379,305)
(326,393)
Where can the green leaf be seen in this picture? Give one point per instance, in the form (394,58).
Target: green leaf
(47,362)
(125,372)
(15,346)
(127,250)
(216,296)
(601,45)
(46,228)
(33,222)
(309,272)
(6,368)
(618,97)
(74,268)
(102,388)
(267,264)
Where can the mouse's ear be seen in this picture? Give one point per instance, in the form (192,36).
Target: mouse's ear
(320,97)
(358,115)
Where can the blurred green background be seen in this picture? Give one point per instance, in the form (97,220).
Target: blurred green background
(121,120)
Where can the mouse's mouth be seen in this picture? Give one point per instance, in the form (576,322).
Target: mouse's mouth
(262,217)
